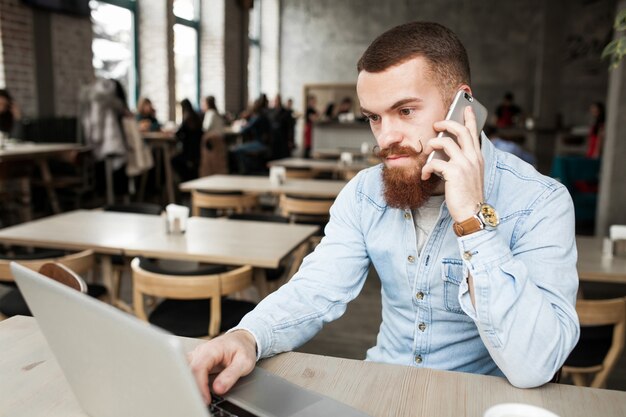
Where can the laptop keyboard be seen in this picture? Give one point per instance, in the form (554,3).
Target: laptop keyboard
(220,407)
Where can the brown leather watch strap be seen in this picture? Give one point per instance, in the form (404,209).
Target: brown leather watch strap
(467,227)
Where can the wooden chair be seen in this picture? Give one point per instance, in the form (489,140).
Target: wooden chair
(64,275)
(13,303)
(222,202)
(603,326)
(194,305)
(121,263)
(306,208)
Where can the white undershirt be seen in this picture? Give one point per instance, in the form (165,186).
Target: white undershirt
(425,218)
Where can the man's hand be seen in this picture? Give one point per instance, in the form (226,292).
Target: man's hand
(232,355)
(463,172)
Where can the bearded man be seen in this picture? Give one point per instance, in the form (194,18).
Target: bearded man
(461,290)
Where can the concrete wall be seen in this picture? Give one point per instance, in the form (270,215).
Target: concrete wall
(322,40)
(212,51)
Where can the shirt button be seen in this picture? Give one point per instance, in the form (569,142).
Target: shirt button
(422,327)
(467,256)
(407,215)
(411,258)
(419,295)
(418,359)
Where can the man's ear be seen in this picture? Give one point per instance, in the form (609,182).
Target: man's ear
(465,88)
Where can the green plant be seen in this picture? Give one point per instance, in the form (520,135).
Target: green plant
(616,49)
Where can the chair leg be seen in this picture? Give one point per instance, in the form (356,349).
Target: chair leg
(580,380)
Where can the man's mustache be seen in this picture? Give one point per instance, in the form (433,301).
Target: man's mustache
(396,150)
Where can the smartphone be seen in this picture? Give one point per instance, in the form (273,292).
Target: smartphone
(456,112)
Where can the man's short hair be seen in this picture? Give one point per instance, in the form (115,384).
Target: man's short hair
(443,50)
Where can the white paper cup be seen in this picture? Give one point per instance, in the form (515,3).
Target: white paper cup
(346,157)
(176,216)
(278,175)
(518,410)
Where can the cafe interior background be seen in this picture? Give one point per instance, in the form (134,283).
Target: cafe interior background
(546,52)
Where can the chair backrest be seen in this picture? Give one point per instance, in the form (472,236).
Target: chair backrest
(212,286)
(603,313)
(234,201)
(80,263)
(291,205)
(139,208)
(64,275)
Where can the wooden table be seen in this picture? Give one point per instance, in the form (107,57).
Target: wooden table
(259,185)
(320,165)
(594,267)
(231,242)
(33,385)
(39,154)
(163,141)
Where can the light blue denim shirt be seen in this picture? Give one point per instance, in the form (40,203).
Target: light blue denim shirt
(524,272)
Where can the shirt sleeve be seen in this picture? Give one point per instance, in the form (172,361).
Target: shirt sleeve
(318,293)
(525,290)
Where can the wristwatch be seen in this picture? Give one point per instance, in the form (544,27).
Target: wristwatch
(486,218)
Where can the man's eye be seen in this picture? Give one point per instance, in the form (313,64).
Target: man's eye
(406,112)
(373,117)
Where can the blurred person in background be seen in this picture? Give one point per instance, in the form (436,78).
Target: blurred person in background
(10,116)
(212,121)
(146,116)
(188,136)
(596,131)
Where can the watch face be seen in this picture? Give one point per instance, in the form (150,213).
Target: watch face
(488,215)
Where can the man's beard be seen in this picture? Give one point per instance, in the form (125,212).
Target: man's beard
(403,187)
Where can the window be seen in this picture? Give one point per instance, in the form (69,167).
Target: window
(254,56)
(114,43)
(186,50)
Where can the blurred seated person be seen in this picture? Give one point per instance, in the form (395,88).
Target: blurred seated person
(345,111)
(329,111)
(146,116)
(212,121)
(509,146)
(251,156)
(596,131)
(282,126)
(10,116)
(508,113)
(189,137)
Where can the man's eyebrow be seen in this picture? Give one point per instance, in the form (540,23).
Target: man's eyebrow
(397,104)
(404,101)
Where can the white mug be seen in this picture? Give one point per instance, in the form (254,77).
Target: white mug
(517,410)
(278,175)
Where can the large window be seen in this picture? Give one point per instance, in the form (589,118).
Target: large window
(254,53)
(186,48)
(114,51)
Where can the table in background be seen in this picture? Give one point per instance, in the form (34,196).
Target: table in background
(32,384)
(261,185)
(164,141)
(594,267)
(321,165)
(221,241)
(39,154)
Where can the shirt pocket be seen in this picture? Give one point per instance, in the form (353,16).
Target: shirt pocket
(452,275)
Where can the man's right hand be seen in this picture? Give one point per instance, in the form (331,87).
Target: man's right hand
(232,356)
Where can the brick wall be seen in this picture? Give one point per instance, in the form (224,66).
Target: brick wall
(156,72)
(71,59)
(212,52)
(18,61)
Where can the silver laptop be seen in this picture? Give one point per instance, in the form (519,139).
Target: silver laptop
(119,366)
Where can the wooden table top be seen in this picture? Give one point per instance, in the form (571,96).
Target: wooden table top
(319,164)
(33,385)
(232,242)
(594,267)
(253,184)
(21,150)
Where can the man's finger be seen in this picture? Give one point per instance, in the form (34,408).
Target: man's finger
(226,379)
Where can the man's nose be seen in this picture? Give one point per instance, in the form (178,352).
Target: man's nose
(389,134)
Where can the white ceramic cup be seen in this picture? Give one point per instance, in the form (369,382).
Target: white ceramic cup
(517,410)
(346,158)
